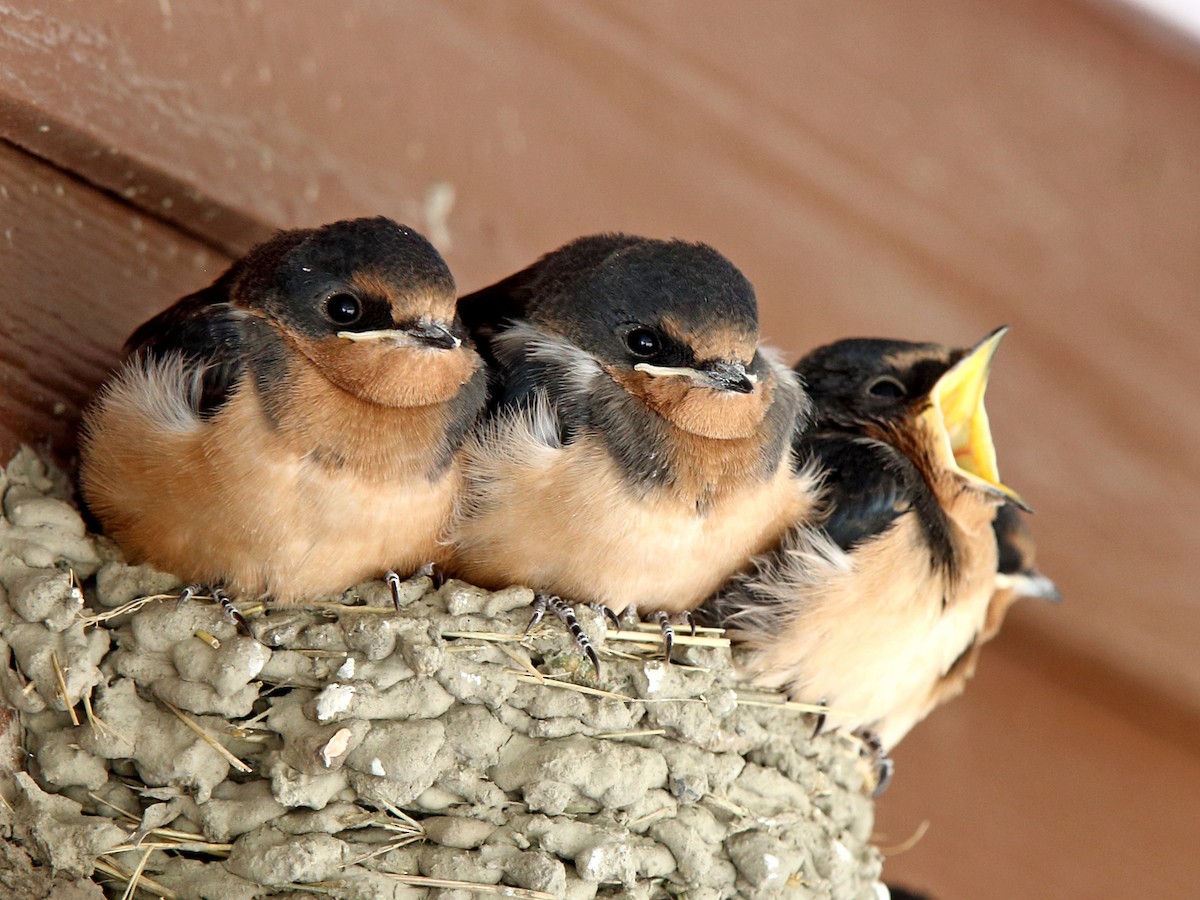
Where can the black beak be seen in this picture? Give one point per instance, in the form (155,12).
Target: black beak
(434,335)
(728,376)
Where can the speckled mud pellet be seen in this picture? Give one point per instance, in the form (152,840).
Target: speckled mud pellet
(118,583)
(267,856)
(48,596)
(398,760)
(235,809)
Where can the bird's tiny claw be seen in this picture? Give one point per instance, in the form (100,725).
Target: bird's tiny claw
(668,633)
(434,573)
(591,655)
(430,570)
(881,763)
(393,583)
(822,716)
(539,609)
(608,614)
(231,612)
(884,769)
(566,615)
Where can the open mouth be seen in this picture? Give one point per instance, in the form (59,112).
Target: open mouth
(958,416)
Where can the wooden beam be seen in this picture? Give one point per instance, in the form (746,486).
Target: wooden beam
(80,272)
(1031,791)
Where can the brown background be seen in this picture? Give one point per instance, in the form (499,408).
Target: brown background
(927,169)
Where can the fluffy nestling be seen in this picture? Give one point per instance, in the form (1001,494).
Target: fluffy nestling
(879,611)
(637,450)
(294,427)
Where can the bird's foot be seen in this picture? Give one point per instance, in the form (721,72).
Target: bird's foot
(566,615)
(881,763)
(430,570)
(221,599)
(433,572)
(611,617)
(189,593)
(822,716)
(667,622)
(540,601)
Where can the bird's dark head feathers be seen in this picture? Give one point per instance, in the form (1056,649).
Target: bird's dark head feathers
(924,399)
(687,302)
(675,324)
(369,302)
(356,275)
(858,381)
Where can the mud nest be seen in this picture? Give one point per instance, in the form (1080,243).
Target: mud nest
(343,749)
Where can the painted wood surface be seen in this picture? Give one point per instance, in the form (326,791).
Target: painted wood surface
(1031,790)
(927,170)
(79,273)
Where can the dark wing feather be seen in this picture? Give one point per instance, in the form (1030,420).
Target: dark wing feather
(1015,541)
(204,329)
(514,383)
(519,297)
(487,311)
(518,383)
(868,485)
(1018,557)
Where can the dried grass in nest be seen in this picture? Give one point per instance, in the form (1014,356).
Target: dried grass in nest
(643,642)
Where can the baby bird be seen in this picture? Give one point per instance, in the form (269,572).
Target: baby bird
(293,428)
(637,450)
(1018,577)
(879,611)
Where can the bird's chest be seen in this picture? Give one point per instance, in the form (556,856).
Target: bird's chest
(568,520)
(339,432)
(296,523)
(875,640)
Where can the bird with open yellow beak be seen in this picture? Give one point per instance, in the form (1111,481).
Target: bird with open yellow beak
(876,611)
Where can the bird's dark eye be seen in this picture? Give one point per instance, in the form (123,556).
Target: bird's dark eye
(343,308)
(643,342)
(887,388)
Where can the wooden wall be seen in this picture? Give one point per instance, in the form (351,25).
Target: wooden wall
(928,169)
